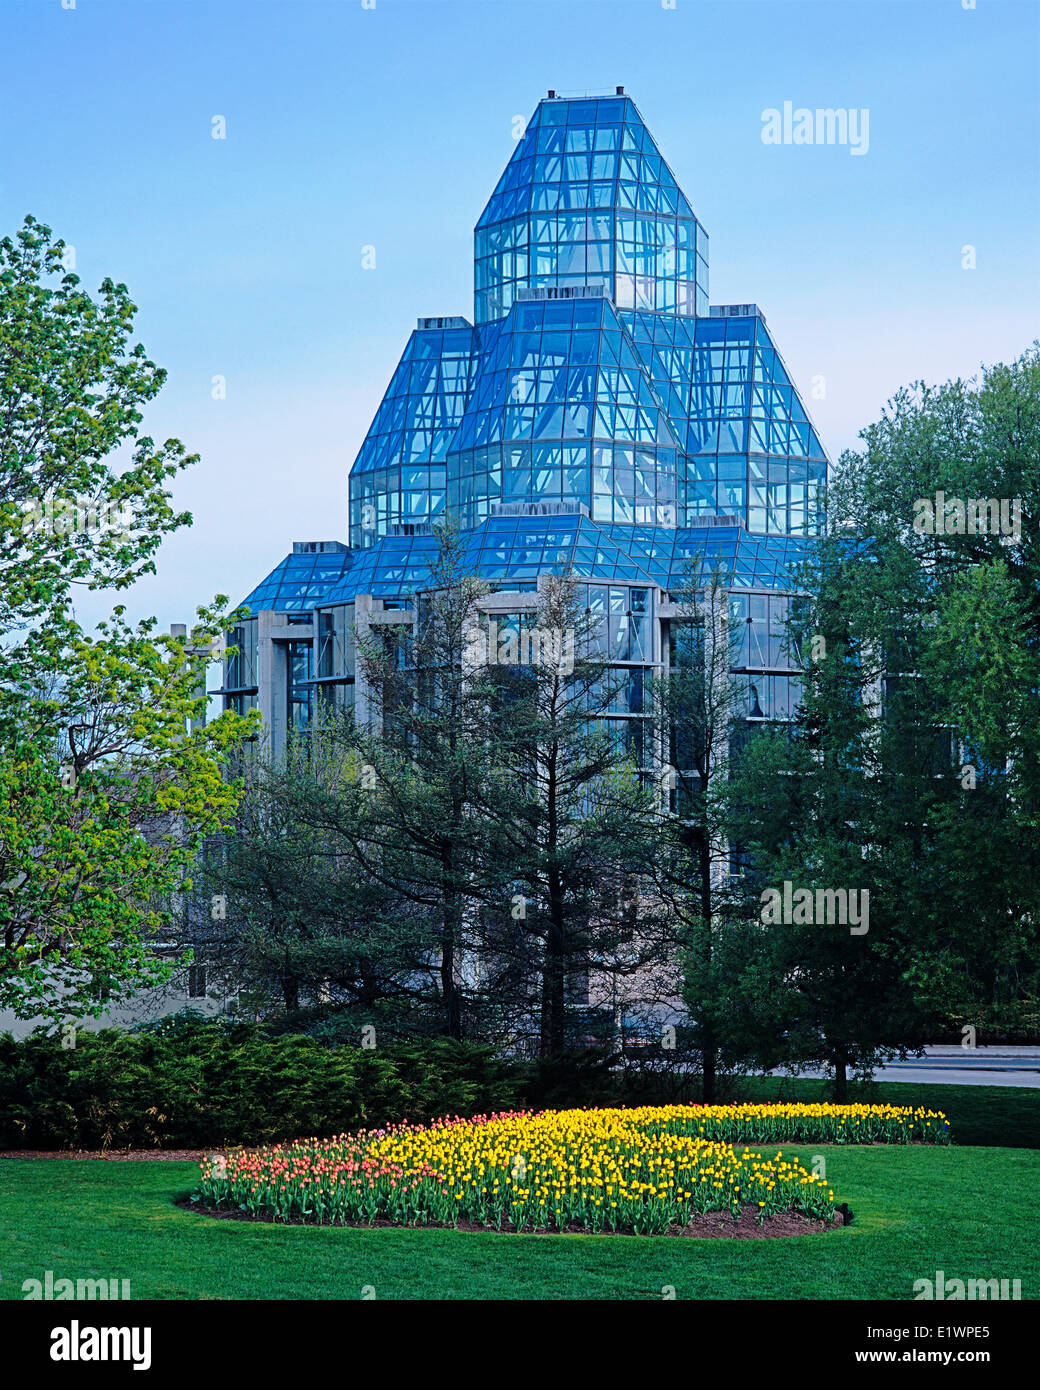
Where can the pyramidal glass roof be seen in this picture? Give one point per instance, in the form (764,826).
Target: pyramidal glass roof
(587,199)
(597,415)
(561,370)
(523,547)
(501,548)
(424,402)
(299,582)
(724,385)
(570,142)
(519,549)
(741,560)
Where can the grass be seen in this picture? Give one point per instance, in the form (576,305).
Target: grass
(917,1209)
(994,1116)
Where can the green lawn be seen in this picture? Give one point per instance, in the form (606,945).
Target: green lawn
(966,1211)
(996,1116)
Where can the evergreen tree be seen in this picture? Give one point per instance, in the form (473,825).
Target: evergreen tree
(570,813)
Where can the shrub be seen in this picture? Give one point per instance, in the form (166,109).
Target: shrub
(198,1084)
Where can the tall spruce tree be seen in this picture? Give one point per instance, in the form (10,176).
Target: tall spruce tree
(945,498)
(287,914)
(699,713)
(424,753)
(570,815)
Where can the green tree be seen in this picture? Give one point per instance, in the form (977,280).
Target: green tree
(699,715)
(816,823)
(961,670)
(912,771)
(423,750)
(72,389)
(571,814)
(297,916)
(108,782)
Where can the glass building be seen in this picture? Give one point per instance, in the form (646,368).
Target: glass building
(597,416)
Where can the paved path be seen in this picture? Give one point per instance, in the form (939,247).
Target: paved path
(963,1066)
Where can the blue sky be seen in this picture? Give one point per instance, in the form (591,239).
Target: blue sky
(388,126)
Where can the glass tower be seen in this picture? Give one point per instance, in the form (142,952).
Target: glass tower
(597,416)
(595,378)
(587,199)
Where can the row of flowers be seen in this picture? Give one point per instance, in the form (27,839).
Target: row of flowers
(807,1124)
(646,1170)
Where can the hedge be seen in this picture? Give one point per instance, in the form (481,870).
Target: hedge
(210,1086)
(186,1081)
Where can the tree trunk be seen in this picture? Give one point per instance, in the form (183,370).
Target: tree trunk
(841,1077)
(553,984)
(709,1059)
(553,999)
(450,999)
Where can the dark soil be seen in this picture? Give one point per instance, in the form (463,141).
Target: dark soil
(712,1224)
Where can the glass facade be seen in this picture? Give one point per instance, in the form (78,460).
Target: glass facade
(563,413)
(747,446)
(301,579)
(595,378)
(587,199)
(298,684)
(758,624)
(596,417)
(398,480)
(335,657)
(241,677)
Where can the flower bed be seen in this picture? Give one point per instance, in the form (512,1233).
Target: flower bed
(647,1170)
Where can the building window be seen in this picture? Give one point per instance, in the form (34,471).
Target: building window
(298,668)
